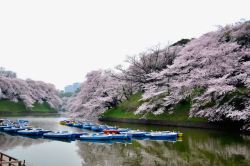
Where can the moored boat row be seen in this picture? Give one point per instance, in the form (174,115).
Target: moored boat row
(105,129)
(103,132)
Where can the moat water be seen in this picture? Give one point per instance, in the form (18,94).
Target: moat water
(198,147)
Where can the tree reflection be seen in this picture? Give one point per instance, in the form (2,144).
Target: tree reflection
(8,141)
(199,149)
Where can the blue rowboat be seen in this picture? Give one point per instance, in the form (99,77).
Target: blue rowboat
(61,135)
(96,137)
(42,130)
(103,127)
(5,126)
(77,135)
(33,132)
(79,125)
(161,135)
(87,125)
(122,130)
(111,128)
(179,134)
(22,121)
(5,123)
(69,124)
(135,133)
(12,129)
(122,136)
(96,128)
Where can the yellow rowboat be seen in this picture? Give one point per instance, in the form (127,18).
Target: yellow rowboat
(180,134)
(62,123)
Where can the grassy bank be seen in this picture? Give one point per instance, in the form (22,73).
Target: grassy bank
(126,110)
(9,107)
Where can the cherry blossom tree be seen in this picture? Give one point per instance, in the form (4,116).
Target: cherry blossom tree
(217,62)
(99,92)
(28,91)
(212,72)
(152,60)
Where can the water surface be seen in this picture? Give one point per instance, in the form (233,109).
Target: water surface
(197,147)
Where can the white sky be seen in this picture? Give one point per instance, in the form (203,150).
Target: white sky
(59,41)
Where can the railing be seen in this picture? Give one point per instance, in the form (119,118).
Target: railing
(6,160)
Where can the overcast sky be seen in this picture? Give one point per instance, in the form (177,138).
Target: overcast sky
(59,41)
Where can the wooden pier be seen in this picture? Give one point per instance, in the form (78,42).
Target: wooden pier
(6,160)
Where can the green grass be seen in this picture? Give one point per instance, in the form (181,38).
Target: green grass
(132,103)
(180,112)
(243,90)
(126,109)
(7,106)
(42,108)
(120,113)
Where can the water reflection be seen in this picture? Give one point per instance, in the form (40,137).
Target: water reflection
(97,141)
(9,141)
(197,147)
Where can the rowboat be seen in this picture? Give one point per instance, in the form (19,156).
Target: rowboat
(12,129)
(79,125)
(135,133)
(63,122)
(122,136)
(62,134)
(22,121)
(87,125)
(96,128)
(29,132)
(42,130)
(77,135)
(123,130)
(179,134)
(103,127)
(96,137)
(69,124)
(161,135)
(111,128)
(5,126)
(5,123)
(111,131)
(33,132)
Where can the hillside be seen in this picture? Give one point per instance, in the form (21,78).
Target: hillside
(27,94)
(15,108)
(207,78)
(212,71)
